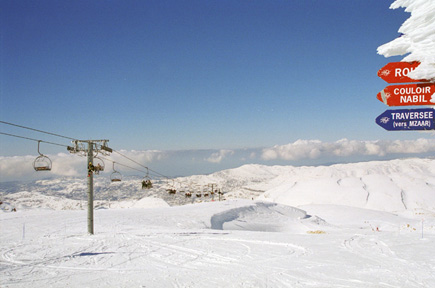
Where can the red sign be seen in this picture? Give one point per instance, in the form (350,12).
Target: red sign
(397,72)
(409,94)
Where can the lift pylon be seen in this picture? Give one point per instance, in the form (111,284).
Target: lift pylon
(99,146)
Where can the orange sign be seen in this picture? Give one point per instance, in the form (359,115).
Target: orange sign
(397,72)
(408,94)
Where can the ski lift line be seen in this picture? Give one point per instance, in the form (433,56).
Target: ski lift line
(121,164)
(37,140)
(66,137)
(146,172)
(155,172)
(52,143)
(33,129)
(130,159)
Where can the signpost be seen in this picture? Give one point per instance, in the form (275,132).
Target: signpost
(407,119)
(397,72)
(408,94)
(417,94)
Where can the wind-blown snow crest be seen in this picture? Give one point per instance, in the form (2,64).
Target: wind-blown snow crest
(417,37)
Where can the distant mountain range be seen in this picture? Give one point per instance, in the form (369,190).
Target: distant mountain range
(396,185)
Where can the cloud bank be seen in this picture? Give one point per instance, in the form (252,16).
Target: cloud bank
(313,149)
(188,162)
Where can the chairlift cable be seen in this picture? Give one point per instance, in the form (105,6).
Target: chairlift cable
(121,164)
(155,172)
(7,134)
(41,131)
(130,159)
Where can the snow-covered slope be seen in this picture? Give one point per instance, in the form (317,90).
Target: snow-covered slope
(234,243)
(392,186)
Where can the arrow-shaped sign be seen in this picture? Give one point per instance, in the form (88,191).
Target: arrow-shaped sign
(407,119)
(397,72)
(408,94)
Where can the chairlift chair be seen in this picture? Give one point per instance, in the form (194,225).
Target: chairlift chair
(172,189)
(42,162)
(205,191)
(146,182)
(115,176)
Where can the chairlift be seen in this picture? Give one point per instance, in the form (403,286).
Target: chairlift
(205,191)
(115,176)
(146,182)
(98,165)
(42,162)
(172,189)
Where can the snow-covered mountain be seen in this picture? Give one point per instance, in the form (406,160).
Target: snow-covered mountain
(392,186)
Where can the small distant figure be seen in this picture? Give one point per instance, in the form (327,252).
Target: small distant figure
(98,168)
(91,169)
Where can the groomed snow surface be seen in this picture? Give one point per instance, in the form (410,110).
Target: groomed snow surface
(349,225)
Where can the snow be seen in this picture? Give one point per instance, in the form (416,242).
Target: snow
(306,227)
(417,37)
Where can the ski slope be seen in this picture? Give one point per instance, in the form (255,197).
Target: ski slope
(319,232)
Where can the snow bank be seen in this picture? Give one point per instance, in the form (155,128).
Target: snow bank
(265,217)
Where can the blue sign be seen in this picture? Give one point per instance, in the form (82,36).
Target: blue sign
(407,119)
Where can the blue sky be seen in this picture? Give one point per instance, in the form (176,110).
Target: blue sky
(194,75)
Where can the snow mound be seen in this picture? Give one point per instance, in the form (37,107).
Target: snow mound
(266,217)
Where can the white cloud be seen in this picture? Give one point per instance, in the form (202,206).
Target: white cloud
(143,157)
(294,151)
(218,156)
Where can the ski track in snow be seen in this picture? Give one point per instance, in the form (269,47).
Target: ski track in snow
(349,256)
